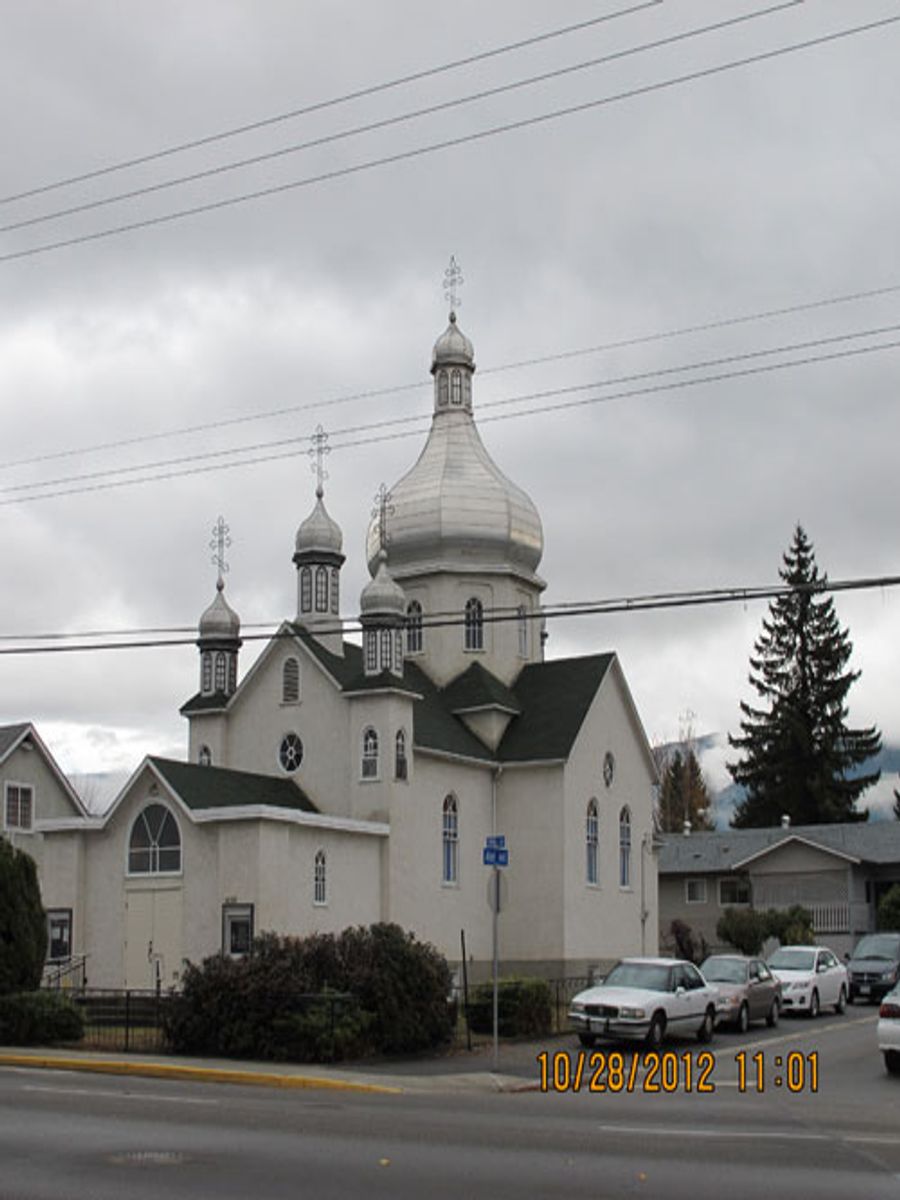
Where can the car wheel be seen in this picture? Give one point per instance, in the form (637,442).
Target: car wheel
(814,1004)
(587,1039)
(841,1000)
(656,1032)
(743,1019)
(892,1062)
(705,1032)
(772,1014)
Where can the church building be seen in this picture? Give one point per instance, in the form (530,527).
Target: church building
(336,784)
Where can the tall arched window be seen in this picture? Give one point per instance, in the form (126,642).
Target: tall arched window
(625,848)
(474,624)
(400,764)
(335,590)
(370,754)
(370,638)
(592,841)
(414,627)
(306,589)
(443,390)
(522,620)
(387,649)
(320,892)
(206,673)
(154,847)
(221,671)
(456,388)
(450,840)
(321,589)
(204,757)
(290,681)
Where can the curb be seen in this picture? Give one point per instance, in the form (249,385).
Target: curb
(156,1070)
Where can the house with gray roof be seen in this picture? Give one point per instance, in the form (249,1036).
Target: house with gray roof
(838,872)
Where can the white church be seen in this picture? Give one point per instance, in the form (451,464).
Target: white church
(333,785)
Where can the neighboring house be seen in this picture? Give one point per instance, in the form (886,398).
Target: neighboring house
(838,872)
(336,784)
(36,796)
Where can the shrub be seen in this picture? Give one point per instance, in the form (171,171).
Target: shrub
(747,929)
(889,909)
(685,944)
(524,1008)
(23,922)
(38,1019)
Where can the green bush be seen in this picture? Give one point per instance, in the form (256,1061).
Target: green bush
(38,1019)
(524,1008)
(747,928)
(269,1004)
(889,909)
(686,945)
(23,922)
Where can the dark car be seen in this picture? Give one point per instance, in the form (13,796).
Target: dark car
(748,991)
(874,968)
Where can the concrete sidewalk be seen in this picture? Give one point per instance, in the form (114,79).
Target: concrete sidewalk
(418,1076)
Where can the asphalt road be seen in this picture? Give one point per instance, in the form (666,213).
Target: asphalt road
(65,1135)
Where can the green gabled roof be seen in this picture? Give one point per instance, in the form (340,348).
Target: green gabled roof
(345,669)
(478,688)
(218,787)
(554,698)
(200,703)
(434,725)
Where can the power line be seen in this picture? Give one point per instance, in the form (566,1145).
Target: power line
(390,122)
(90,478)
(583,351)
(627,604)
(320,105)
(446,144)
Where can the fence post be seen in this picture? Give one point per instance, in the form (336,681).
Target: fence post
(127,1018)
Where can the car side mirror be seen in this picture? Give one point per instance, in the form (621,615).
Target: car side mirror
(846,956)
(679,991)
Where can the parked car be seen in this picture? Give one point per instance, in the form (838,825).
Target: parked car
(874,967)
(889,1031)
(811,979)
(646,998)
(748,991)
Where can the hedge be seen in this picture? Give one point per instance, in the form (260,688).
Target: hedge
(38,1019)
(524,1008)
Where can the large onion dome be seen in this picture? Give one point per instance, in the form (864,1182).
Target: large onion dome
(219,621)
(319,533)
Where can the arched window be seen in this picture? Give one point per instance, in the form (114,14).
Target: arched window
(414,627)
(592,841)
(467,390)
(522,618)
(221,671)
(204,758)
(442,390)
(290,681)
(320,894)
(321,589)
(335,590)
(474,624)
(154,847)
(456,387)
(306,589)
(398,651)
(387,649)
(232,673)
(371,641)
(450,839)
(400,764)
(370,754)
(625,848)
(206,673)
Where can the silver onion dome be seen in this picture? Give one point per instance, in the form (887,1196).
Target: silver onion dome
(452,348)
(220,620)
(319,533)
(382,596)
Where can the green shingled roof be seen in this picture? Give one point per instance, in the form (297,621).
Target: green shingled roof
(217,787)
(554,698)
(200,703)
(477,688)
(9,735)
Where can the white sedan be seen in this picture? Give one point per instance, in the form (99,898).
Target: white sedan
(811,979)
(889,1030)
(646,998)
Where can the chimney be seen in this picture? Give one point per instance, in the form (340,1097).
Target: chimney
(785,820)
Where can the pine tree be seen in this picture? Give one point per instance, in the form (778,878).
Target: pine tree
(23,923)
(683,794)
(896,805)
(797,751)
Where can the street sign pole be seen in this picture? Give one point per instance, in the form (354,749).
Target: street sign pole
(496,905)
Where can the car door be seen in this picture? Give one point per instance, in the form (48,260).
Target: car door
(827,977)
(761,990)
(680,1001)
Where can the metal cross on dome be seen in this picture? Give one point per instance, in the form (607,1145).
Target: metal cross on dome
(453,280)
(220,543)
(382,510)
(319,448)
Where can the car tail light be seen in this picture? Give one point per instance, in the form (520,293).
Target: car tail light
(890,1009)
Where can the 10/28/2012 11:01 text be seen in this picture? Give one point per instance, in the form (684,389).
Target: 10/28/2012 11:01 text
(664,1072)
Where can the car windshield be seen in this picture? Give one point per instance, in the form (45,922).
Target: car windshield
(878,946)
(652,976)
(793,960)
(724,970)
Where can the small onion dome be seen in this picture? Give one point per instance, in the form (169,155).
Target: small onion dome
(452,348)
(319,533)
(382,596)
(220,620)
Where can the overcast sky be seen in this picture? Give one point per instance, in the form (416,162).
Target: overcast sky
(767,186)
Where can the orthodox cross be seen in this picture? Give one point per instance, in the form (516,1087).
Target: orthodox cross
(220,543)
(453,279)
(319,448)
(382,510)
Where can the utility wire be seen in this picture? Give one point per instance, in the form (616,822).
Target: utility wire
(419,419)
(602,347)
(320,105)
(640,603)
(446,144)
(390,122)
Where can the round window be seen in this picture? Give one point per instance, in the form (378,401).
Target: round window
(290,753)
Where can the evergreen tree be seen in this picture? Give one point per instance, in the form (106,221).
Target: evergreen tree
(896,805)
(23,923)
(683,794)
(797,751)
